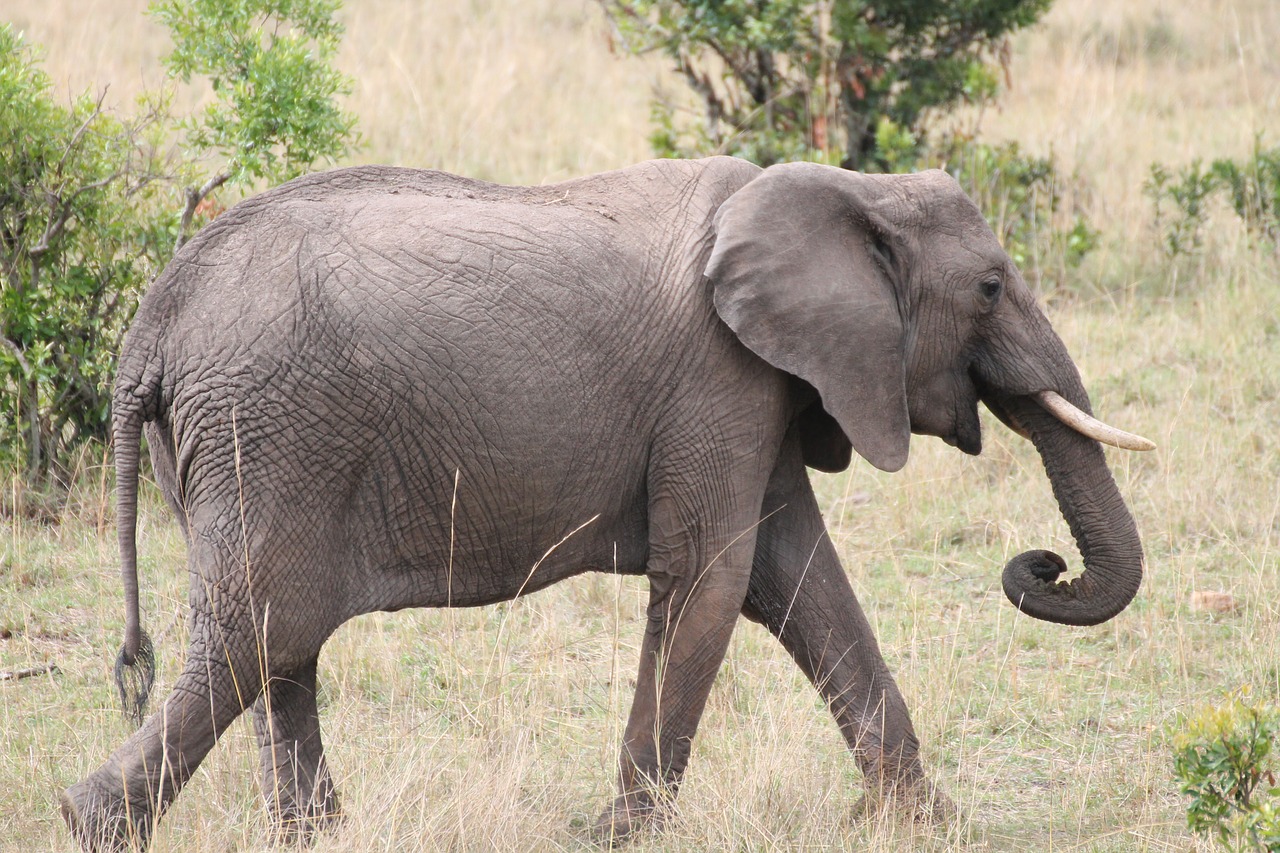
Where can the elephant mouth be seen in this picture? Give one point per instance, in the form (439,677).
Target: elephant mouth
(949,411)
(966,427)
(965,433)
(997,404)
(967,436)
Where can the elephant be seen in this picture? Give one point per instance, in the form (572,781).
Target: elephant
(376,387)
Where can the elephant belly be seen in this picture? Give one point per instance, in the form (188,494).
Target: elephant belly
(470,529)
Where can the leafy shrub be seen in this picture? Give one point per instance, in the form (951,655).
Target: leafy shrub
(87,216)
(82,229)
(1253,189)
(1189,191)
(784,80)
(1250,188)
(1225,762)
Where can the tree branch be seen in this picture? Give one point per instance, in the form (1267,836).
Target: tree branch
(194,197)
(646,24)
(701,83)
(60,213)
(80,131)
(17,354)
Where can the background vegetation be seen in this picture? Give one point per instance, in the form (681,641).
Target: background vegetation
(853,82)
(445,731)
(94,201)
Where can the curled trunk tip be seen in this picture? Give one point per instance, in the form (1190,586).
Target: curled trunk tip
(1030,582)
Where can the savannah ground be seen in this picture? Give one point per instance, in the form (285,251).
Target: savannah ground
(498,728)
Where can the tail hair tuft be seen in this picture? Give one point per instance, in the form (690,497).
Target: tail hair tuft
(134,679)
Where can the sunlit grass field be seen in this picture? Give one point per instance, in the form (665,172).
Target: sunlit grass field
(498,728)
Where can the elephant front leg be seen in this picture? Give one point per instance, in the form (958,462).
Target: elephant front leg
(696,592)
(799,591)
(299,791)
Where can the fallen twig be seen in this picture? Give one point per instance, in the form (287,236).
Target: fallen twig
(14,675)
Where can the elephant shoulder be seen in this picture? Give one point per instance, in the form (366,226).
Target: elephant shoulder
(661,181)
(730,170)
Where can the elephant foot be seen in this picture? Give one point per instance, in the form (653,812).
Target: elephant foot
(917,800)
(102,820)
(628,815)
(301,830)
(298,826)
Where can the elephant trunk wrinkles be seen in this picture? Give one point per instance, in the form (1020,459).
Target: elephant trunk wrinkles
(1103,528)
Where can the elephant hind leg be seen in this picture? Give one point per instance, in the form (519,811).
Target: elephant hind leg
(117,806)
(299,791)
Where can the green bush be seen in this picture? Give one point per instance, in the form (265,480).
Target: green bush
(1253,189)
(83,228)
(87,204)
(1182,229)
(1225,762)
(784,80)
(1181,200)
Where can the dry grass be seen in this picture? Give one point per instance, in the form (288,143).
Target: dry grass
(446,733)
(1110,88)
(505,91)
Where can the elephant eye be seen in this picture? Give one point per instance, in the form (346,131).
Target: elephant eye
(990,289)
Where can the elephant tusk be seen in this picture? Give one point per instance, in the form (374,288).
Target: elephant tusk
(1090,426)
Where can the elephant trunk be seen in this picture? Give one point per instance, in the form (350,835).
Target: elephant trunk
(1103,528)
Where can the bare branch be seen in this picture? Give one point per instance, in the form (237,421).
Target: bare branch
(17,354)
(701,83)
(80,131)
(194,197)
(645,23)
(60,213)
(741,71)
(14,675)
(796,89)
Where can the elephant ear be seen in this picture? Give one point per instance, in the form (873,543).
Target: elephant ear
(801,273)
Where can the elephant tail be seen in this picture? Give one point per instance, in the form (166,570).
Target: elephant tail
(135,667)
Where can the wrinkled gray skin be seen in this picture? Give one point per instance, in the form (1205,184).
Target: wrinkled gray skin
(379,388)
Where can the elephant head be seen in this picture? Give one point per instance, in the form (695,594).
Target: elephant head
(891,296)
